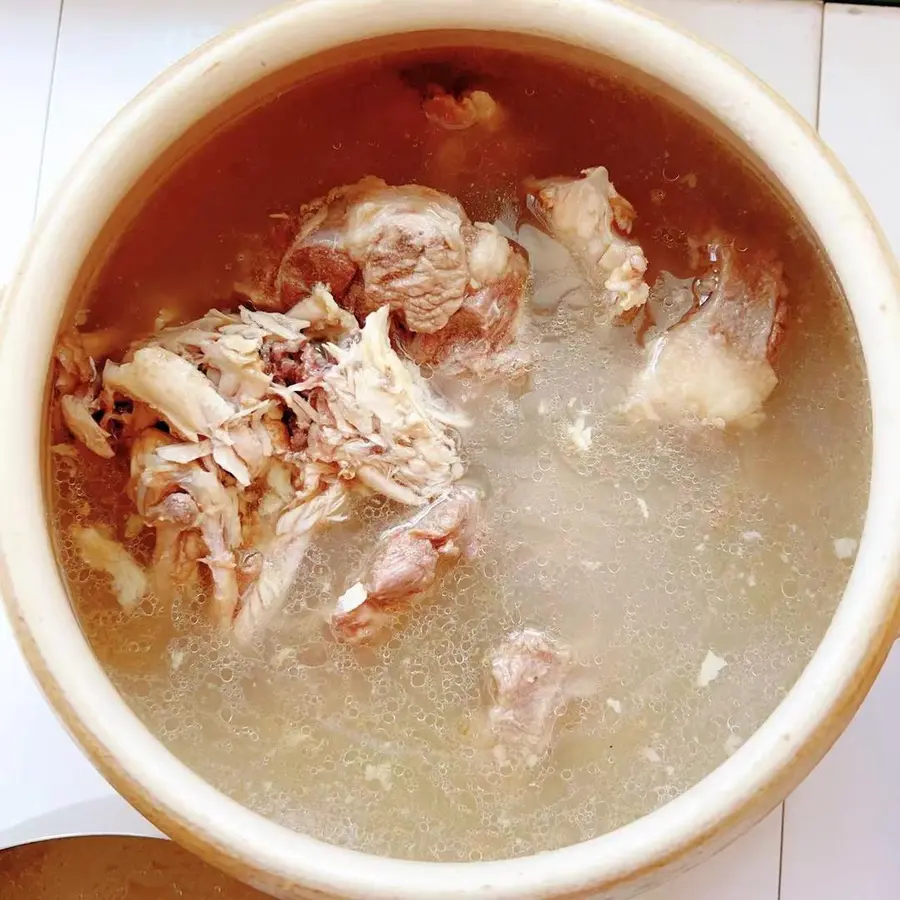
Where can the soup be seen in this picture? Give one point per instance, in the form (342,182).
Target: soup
(112,868)
(659,533)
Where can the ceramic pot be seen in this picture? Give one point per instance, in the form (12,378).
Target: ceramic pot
(147,134)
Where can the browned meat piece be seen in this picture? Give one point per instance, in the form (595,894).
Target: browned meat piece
(406,563)
(529,673)
(458,112)
(714,367)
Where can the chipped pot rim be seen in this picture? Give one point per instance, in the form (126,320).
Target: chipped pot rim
(273,857)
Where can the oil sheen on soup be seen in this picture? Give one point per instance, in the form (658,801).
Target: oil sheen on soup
(563,479)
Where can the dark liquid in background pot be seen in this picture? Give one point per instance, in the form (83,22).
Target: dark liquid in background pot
(646,554)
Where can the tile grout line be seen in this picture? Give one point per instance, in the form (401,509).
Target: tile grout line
(820,75)
(781,849)
(37,193)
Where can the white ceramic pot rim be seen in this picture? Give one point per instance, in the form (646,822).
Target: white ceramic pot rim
(832,684)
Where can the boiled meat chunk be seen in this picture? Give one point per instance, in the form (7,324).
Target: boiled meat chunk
(529,690)
(410,248)
(178,498)
(407,563)
(481,338)
(592,221)
(77,411)
(456,112)
(714,366)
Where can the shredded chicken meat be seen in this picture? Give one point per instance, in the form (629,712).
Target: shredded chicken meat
(714,366)
(529,690)
(593,221)
(407,563)
(254,429)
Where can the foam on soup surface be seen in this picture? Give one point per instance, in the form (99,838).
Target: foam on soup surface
(688,570)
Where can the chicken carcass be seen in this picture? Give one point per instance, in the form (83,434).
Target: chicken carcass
(714,366)
(530,674)
(407,563)
(256,425)
(592,221)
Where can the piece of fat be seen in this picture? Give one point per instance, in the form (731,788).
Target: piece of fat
(845,547)
(710,668)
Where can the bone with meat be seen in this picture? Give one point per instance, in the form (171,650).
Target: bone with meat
(410,248)
(592,221)
(714,366)
(530,674)
(406,563)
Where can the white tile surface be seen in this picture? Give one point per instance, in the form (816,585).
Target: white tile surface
(110,50)
(778,40)
(840,825)
(27,44)
(747,870)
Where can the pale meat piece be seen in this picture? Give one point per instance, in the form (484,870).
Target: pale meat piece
(406,563)
(101,552)
(530,674)
(714,367)
(282,557)
(78,354)
(77,412)
(177,498)
(592,221)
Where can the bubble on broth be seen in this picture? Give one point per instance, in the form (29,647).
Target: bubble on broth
(631,546)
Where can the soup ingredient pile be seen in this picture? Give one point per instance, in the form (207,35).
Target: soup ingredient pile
(248,432)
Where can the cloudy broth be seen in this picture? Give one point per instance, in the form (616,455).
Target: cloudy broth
(658,554)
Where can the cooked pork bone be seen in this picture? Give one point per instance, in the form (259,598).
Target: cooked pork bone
(406,564)
(592,221)
(714,367)
(481,337)
(411,249)
(529,675)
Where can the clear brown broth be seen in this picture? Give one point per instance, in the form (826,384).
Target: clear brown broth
(735,553)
